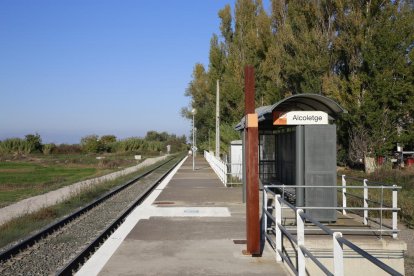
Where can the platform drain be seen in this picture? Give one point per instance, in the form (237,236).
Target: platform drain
(164,202)
(239,241)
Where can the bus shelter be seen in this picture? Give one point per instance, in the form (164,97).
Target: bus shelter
(297,147)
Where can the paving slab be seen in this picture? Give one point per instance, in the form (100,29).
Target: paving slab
(193,226)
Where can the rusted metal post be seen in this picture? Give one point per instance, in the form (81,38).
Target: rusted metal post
(251,159)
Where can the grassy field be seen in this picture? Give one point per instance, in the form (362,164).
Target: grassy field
(26,176)
(23,226)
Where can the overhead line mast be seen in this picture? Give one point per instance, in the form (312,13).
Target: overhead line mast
(218,120)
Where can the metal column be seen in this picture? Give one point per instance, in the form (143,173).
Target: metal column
(244,165)
(299,163)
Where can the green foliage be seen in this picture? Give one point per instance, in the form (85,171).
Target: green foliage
(36,141)
(156,136)
(16,146)
(91,144)
(153,143)
(359,53)
(108,139)
(107,142)
(48,148)
(227,134)
(67,149)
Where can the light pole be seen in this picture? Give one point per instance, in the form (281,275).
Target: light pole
(193,148)
(195,141)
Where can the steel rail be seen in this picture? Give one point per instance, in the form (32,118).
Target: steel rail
(80,259)
(30,241)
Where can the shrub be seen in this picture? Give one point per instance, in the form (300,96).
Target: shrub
(36,141)
(67,149)
(16,146)
(91,144)
(48,148)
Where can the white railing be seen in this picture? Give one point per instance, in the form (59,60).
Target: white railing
(234,174)
(278,231)
(218,166)
(229,173)
(366,199)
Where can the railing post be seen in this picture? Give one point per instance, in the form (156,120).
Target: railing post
(365,201)
(301,242)
(225,174)
(264,214)
(338,253)
(394,212)
(343,194)
(278,213)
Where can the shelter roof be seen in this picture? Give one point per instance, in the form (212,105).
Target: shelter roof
(298,102)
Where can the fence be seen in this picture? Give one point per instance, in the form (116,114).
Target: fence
(366,199)
(218,166)
(229,173)
(278,231)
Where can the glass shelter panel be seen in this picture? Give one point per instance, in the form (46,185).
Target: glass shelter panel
(286,162)
(267,160)
(277,156)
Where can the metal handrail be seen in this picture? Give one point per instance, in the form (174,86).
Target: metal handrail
(287,233)
(362,179)
(299,240)
(394,209)
(366,200)
(350,230)
(369,200)
(316,261)
(368,256)
(336,186)
(317,223)
(346,208)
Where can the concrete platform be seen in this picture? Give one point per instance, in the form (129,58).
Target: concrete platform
(190,225)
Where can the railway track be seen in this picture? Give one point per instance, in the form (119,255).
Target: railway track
(62,247)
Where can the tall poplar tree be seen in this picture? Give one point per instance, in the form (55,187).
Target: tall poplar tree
(360,53)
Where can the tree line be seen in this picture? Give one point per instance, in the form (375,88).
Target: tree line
(359,53)
(153,142)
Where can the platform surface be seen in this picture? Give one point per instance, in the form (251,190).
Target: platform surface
(192,225)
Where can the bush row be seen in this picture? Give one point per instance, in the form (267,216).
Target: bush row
(153,142)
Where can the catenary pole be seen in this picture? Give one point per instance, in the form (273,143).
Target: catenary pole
(194,146)
(218,120)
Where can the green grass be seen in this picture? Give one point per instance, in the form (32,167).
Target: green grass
(403,178)
(21,180)
(27,176)
(409,265)
(25,225)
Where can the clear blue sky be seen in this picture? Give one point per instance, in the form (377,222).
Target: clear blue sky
(70,68)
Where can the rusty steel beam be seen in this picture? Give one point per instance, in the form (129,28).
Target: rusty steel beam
(249,104)
(251,159)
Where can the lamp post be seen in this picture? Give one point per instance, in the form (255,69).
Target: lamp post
(194,147)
